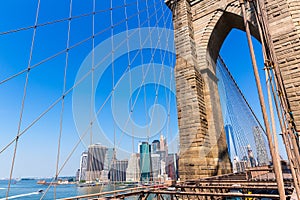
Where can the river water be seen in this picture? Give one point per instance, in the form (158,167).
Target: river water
(28,189)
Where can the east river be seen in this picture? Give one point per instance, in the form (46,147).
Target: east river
(29,189)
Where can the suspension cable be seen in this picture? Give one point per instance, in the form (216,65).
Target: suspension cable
(73,87)
(75,45)
(65,91)
(23,100)
(95,117)
(63,99)
(64,19)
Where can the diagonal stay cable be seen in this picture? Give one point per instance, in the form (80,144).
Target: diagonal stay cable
(63,19)
(53,106)
(240,106)
(66,93)
(157,83)
(132,107)
(113,84)
(239,90)
(230,112)
(169,134)
(135,101)
(129,71)
(72,47)
(92,121)
(63,99)
(139,90)
(23,101)
(85,132)
(77,144)
(143,68)
(167,95)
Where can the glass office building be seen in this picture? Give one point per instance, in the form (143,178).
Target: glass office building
(145,162)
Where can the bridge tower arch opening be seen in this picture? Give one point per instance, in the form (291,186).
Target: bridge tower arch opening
(200,30)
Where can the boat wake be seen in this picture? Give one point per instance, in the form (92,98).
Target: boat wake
(21,195)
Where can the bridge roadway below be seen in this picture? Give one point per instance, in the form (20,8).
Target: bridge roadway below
(259,183)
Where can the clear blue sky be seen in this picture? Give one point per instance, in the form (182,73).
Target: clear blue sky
(36,155)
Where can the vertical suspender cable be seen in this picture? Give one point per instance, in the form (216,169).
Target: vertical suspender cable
(275,157)
(130,84)
(113,88)
(287,134)
(23,99)
(92,74)
(269,87)
(291,128)
(63,97)
(92,81)
(142,62)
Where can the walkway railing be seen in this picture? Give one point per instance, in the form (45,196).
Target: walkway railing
(124,192)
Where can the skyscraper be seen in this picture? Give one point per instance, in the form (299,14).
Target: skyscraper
(172,166)
(108,162)
(155,146)
(163,153)
(163,145)
(133,169)
(95,161)
(252,161)
(77,175)
(83,166)
(232,150)
(109,157)
(118,170)
(156,165)
(145,162)
(262,155)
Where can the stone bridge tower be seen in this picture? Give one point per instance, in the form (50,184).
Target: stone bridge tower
(201,26)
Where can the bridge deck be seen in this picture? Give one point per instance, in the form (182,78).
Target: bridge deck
(228,185)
